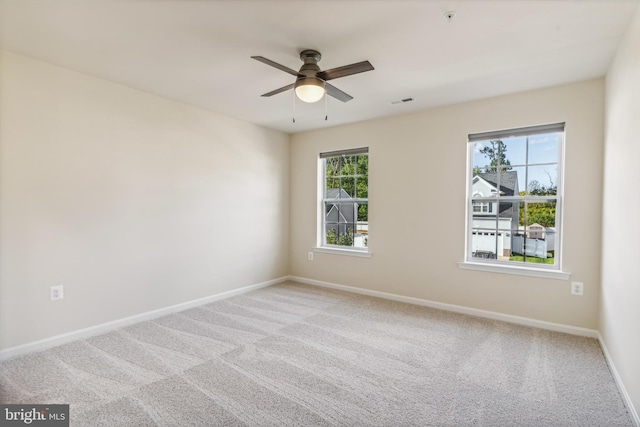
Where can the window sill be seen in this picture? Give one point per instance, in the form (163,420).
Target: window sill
(521,271)
(347,252)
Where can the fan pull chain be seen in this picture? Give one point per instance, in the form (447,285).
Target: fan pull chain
(326,115)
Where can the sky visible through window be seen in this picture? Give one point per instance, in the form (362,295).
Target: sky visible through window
(542,149)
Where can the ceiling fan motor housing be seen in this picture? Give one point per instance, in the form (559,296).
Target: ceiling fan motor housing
(310,59)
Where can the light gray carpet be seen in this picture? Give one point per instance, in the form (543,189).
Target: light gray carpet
(296,355)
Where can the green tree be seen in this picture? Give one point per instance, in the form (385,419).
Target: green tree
(541,213)
(537,189)
(496,153)
(344,239)
(332,237)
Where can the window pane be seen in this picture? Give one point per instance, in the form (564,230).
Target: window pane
(535,240)
(363,212)
(508,215)
(348,185)
(348,165)
(543,214)
(484,243)
(331,236)
(363,164)
(508,182)
(361,238)
(544,148)
(480,160)
(332,188)
(332,166)
(543,180)
(339,165)
(515,151)
(550,238)
(362,187)
(493,156)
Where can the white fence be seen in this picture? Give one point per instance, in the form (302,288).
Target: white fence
(530,247)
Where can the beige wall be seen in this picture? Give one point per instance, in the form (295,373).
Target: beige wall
(620,307)
(131,201)
(417,205)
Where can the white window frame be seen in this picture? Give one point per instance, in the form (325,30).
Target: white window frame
(506,266)
(321,245)
(483,207)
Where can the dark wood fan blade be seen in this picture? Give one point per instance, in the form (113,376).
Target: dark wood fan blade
(282,89)
(347,70)
(337,93)
(275,65)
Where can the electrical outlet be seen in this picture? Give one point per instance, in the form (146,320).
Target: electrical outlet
(310,256)
(56,293)
(577,288)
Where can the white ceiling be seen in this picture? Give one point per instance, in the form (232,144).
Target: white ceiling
(198,51)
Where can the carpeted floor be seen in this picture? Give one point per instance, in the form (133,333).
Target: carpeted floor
(297,355)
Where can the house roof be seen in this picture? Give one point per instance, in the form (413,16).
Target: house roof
(335,193)
(508,181)
(506,211)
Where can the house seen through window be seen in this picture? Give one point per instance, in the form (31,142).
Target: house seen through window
(515,196)
(345,203)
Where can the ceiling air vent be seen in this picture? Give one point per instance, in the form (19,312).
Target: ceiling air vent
(401,101)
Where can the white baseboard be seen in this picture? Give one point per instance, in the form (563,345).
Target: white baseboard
(557,327)
(109,326)
(619,383)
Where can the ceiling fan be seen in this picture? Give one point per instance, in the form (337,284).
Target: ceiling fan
(311,82)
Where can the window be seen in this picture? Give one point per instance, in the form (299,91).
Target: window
(482,207)
(345,204)
(515,197)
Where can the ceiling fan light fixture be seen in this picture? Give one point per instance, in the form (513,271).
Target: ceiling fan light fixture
(310,89)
